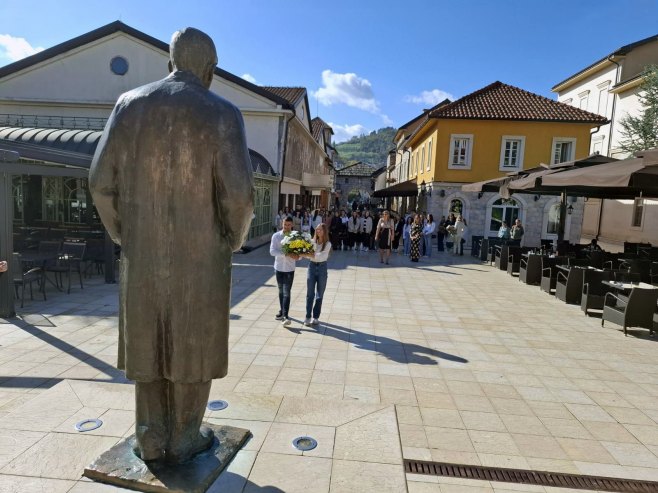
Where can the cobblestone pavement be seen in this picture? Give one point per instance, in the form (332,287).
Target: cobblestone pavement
(447,360)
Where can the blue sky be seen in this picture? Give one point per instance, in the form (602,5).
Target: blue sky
(365,63)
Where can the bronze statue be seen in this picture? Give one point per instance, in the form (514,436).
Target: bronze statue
(172,182)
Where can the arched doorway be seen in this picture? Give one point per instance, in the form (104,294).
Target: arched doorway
(500,210)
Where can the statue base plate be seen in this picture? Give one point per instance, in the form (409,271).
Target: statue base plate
(119,466)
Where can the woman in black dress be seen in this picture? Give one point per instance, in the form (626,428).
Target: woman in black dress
(416,235)
(399,228)
(384,236)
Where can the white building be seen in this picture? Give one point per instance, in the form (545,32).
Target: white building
(74,85)
(610,87)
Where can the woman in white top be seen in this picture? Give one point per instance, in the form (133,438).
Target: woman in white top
(460,232)
(384,236)
(366,231)
(428,231)
(406,235)
(316,279)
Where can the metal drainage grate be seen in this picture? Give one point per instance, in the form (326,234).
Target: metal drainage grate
(522,476)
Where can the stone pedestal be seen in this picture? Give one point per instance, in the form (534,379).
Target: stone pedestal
(119,466)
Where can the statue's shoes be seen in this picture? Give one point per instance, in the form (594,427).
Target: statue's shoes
(204,441)
(150,446)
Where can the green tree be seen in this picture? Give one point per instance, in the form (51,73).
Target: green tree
(641,132)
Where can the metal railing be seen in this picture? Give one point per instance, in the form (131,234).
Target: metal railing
(52,121)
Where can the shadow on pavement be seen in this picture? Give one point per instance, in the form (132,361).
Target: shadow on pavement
(400,352)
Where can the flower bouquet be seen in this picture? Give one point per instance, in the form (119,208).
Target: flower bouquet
(297,243)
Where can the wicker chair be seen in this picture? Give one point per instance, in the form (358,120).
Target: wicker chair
(549,273)
(530,269)
(500,257)
(637,311)
(594,290)
(569,286)
(514,259)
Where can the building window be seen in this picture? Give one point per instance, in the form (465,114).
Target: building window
(503,210)
(429,155)
(583,98)
(602,106)
(638,213)
(564,149)
(422,161)
(511,152)
(461,149)
(456,207)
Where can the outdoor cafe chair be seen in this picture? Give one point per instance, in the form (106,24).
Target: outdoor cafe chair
(21,278)
(514,259)
(500,256)
(594,290)
(70,258)
(636,311)
(549,273)
(569,286)
(530,269)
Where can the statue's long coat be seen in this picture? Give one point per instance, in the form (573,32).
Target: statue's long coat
(172,182)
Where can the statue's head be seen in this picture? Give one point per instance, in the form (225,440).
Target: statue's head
(193,51)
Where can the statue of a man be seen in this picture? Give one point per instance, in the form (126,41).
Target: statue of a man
(172,182)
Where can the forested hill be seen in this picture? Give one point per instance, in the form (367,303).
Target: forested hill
(371,149)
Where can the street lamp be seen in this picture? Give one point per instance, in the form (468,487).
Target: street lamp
(570,209)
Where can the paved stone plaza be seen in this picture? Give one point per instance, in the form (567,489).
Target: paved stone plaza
(446,360)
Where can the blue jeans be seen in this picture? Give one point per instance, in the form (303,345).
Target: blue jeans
(284,281)
(427,239)
(316,282)
(407,246)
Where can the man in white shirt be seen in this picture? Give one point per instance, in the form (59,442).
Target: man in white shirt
(284,266)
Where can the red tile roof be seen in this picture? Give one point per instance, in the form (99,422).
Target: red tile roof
(317,125)
(290,94)
(500,101)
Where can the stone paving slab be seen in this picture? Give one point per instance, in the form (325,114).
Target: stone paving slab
(478,368)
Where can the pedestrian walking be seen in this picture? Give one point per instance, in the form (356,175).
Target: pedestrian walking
(284,267)
(316,278)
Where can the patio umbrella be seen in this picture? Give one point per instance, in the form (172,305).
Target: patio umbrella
(621,179)
(495,184)
(535,182)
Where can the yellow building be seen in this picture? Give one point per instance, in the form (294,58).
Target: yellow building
(494,131)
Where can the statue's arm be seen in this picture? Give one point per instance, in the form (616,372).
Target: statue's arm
(234,181)
(103,181)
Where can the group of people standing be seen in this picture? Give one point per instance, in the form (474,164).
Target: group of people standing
(419,230)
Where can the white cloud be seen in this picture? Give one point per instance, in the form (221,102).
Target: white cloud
(346,132)
(16,48)
(249,78)
(431,98)
(349,89)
